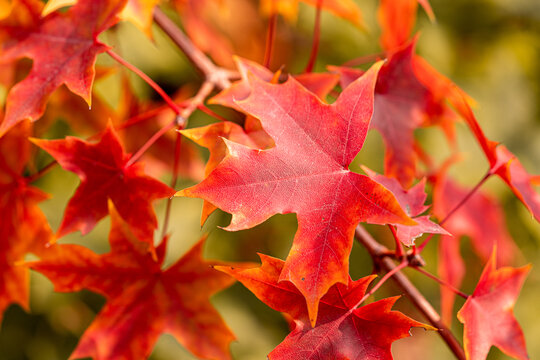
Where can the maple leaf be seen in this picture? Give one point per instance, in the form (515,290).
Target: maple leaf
(64,49)
(487,314)
(409,94)
(399,103)
(23,228)
(143,301)
(305,173)
(501,161)
(105,174)
(518,179)
(481,219)
(342,330)
(412,201)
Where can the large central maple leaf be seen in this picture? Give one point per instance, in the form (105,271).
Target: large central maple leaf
(305,173)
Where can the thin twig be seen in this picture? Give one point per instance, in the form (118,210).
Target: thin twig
(364,59)
(42,171)
(174,180)
(316,39)
(386,276)
(204,91)
(399,247)
(149,143)
(210,112)
(386,264)
(456,208)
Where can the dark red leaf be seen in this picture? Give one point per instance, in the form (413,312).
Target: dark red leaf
(105,174)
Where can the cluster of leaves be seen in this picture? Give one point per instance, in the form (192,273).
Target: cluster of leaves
(291,154)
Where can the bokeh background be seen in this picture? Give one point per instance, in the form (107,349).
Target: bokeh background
(491,48)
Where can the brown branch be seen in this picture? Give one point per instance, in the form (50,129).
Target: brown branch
(378,252)
(212,73)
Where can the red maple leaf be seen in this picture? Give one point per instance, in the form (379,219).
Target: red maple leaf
(400,101)
(305,173)
(23,227)
(412,200)
(481,219)
(487,314)
(342,330)
(63,47)
(405,100)
(105,173)
(501,161)
(518,179)
(143,301)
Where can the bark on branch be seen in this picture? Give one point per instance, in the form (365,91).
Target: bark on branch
(379,254)
(212,73)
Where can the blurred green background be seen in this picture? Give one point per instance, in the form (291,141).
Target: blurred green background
(491,48)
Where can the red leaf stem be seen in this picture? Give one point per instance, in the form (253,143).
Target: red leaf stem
(399,245)
(270,37)
(41,172)
(316,39)
(441,281)
(150,142)
(421,247)
(146,79)
(377,252)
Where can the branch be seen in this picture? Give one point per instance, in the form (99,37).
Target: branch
(212,73)
(378,252)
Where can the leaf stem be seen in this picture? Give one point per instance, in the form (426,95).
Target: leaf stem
(149,143)
(204,91)
(466,198)
(386,276)
(441,281)
(364,59)
(376,250)
(272,22)
(205,109)
(399,247)
(146,79)
(456,208)
(174,180)
(316,39)
(42,171)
